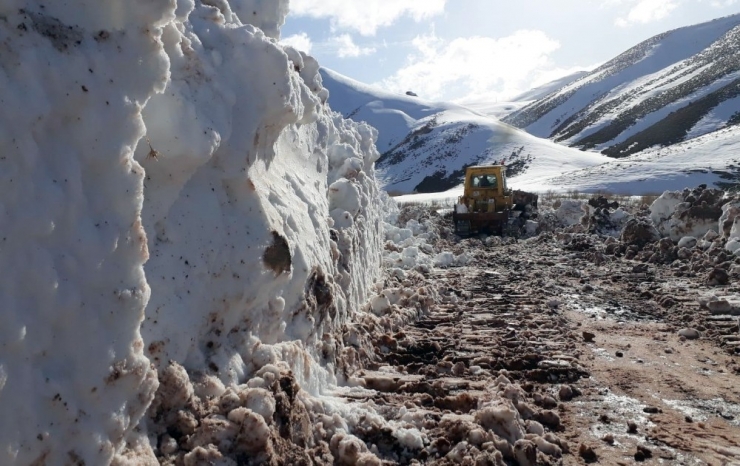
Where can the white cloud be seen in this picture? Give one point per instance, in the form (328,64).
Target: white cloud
(644,11)
(366,16)
(497,68)
(299,41)
(345,47)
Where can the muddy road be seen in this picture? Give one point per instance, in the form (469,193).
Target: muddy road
(557,350)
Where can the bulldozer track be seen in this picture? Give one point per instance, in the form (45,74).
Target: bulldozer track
(520,311)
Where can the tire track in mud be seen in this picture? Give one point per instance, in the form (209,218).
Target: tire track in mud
(504,370)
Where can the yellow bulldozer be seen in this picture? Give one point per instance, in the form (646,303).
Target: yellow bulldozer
(487,202)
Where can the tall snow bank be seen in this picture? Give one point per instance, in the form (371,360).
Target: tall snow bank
(254,260)
(254,185)
(74,77)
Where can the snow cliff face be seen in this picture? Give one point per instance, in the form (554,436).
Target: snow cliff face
(74,81)
(238,204)
(673,87)
(182,133)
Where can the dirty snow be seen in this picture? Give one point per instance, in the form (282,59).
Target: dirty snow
(169,167)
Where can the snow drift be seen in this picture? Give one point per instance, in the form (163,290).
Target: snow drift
(174,191)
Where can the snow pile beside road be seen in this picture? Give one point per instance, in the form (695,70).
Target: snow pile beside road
(709,214)
(729,226)
(680,229)
(596,216)
(74,380)
(267,242)
(689,213)
(178,133)
(695,230)
(411,247)
(570,212)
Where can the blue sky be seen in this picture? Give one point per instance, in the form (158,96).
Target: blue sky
(480,49)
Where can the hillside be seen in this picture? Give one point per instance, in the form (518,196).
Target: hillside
(501,109)
(673,87)
(546,89)
(712,159)
(425,146)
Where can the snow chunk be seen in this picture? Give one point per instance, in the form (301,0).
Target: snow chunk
(208,455)
(448,259)
(349,450)
(254,433)
(398,235)
(688,213)
(343,195)
(409,438)
(570,212)
(380,305)
(733,243)
(730,212)
(268,15)
(728,222)
(503,419)
(733,246)
(260,401)
(175,389)
(687,242)
(444,259)
(662,209)
(209,386)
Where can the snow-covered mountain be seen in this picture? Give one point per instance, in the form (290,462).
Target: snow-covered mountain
(546,89)
(671,88)
(504,108)
(425,146)
(712,159)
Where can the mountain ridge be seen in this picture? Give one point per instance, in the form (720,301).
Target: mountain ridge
(621,107)
(425,146)
(675,91)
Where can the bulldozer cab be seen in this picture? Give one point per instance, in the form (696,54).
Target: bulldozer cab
(486,190)
(485,181)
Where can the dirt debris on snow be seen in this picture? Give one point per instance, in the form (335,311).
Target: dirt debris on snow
(595,341)
(517,361)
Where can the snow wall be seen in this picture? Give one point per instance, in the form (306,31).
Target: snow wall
(173,187)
